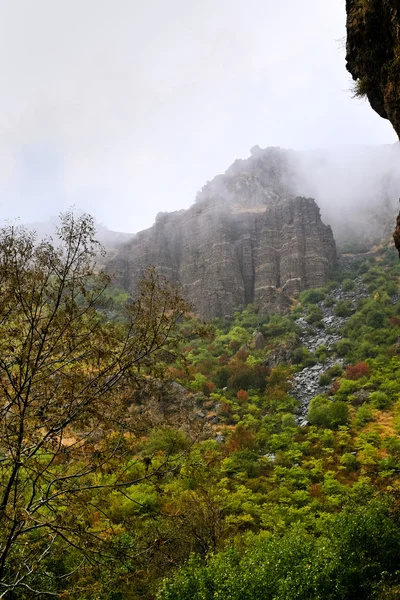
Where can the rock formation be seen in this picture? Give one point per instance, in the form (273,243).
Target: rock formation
(373,46)
(242,242)
(373,58)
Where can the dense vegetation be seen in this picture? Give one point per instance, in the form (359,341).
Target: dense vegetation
(217,488)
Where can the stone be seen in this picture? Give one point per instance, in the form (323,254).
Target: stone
(372,51)
(259,341)
(246,240)
(270,456)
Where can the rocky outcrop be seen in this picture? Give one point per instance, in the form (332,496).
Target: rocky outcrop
(373,57)
(241,242)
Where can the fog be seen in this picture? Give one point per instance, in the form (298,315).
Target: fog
(127,108)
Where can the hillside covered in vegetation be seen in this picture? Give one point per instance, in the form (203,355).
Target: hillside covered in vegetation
(259,458)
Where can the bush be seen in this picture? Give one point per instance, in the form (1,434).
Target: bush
(346,387)
(322,353)
(338,414)
(169,441)
(364,415)
(326,413)
(335,370)
(314,316)
(348,284)
(242,395)
(349,461)
(329,301)
(375,319)
(380,400)
(324,379)
(344,347)
(356,552)
(312,296)
(343,309)
(302,356)
(357,371)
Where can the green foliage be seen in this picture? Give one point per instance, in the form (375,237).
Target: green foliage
(375,319)
(324,379)
(348,285)
(344,347)
(265,507)
(170,441)
(364,415)
(315,315)
(324,412)
(380,400)
(303,357)
(356,551)
(312,296)
(343,308)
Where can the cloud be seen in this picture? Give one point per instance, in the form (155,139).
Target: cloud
(141,103)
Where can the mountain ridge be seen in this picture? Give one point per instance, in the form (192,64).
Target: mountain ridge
(247,239)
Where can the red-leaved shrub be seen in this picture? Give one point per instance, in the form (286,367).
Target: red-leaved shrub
(357,371)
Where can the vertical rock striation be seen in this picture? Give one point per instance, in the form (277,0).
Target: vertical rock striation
(241,242)
(373,59)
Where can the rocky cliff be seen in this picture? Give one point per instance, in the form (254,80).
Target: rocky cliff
(242,242)
(373,54)
(373,59)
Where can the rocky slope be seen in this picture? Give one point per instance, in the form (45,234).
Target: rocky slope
(242,242)
(306,383)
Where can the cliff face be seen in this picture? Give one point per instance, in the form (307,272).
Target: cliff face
(373,54)
(241,242)
(373,59)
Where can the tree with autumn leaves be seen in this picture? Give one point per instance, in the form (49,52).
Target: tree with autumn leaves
(67,374)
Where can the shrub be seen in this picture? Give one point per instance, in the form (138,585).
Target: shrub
(242,395)
(394,321)
(364,415)
(380,400)
(335,370)
(326,413)
(348,284)
(329,301)
(357,371)
(324,379)
(288,421)
(221,377)
(375,319)
(312,296)
(338,414)
(170,441)
(322,353)
(349,461)
(314,316)
(302,356)
(346,387)
(343,309)
(343,347)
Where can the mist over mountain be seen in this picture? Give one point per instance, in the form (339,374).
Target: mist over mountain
(108,238)
(356,188)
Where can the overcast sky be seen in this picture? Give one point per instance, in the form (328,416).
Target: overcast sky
(126,108)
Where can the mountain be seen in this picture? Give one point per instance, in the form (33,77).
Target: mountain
(247,239)
(111,240)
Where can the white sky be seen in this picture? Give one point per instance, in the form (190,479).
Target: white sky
(126,108)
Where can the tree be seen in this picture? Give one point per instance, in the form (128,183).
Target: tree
(67,374)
